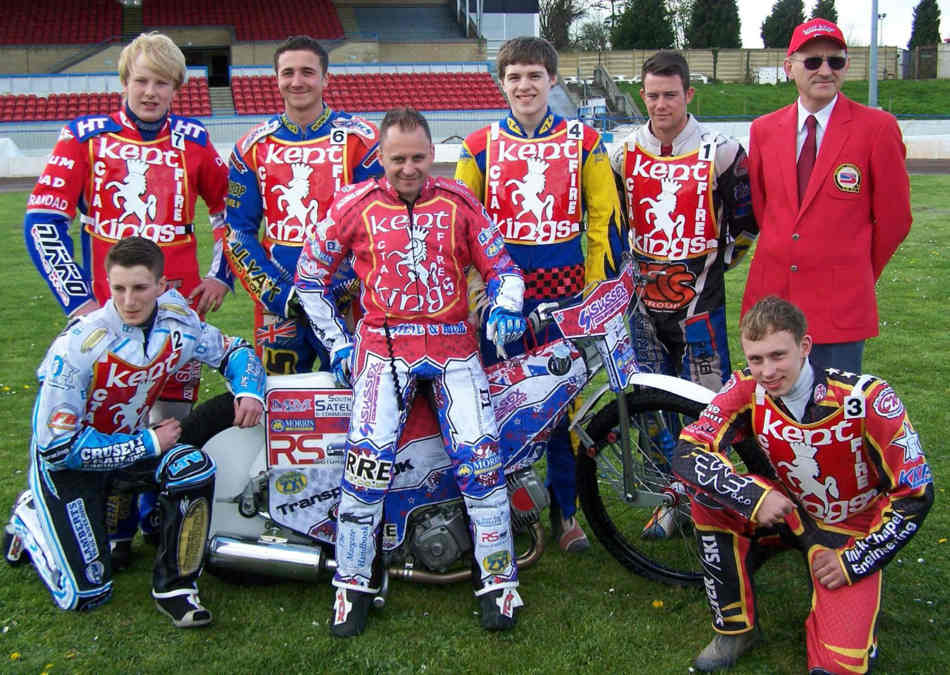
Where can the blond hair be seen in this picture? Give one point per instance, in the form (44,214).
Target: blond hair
(161,55)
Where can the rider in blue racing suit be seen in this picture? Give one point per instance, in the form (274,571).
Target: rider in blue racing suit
(282,177)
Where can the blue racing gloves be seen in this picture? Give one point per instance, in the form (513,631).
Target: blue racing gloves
(342,364)
(504,326)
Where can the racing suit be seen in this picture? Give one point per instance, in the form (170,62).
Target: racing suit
(854,468)
(90,435)
(690,216)
(125,181)
(412,259)
(537,187)
(285,176)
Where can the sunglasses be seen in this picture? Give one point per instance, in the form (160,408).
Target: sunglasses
(814,62)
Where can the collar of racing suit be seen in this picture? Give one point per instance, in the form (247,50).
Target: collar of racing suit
(148,130)
(308,130)
(796,400)
(511,125)
(426,191)
(686,140)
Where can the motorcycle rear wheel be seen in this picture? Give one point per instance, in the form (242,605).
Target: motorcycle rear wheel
(655,416)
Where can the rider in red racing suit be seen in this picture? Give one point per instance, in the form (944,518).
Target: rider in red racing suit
(138,171)
(125,181)
(859,484)
(412,260)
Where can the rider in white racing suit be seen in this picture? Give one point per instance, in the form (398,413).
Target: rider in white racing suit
(99,380)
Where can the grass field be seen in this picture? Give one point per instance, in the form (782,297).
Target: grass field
(922,98)
(583,613)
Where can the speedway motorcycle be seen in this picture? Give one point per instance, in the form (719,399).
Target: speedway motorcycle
(277,488)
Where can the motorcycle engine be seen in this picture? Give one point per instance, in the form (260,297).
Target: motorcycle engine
(528,498)
(440,536)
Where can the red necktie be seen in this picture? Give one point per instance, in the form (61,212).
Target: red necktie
(806,160)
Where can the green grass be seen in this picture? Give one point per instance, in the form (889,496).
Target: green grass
(901,97)
(583,613)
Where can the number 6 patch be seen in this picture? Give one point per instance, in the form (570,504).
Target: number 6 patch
(338,136)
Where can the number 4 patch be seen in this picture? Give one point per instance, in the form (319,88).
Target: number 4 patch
(853,407)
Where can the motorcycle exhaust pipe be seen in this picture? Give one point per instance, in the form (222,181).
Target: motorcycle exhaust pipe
(305,563)
(525,560)
(271,558)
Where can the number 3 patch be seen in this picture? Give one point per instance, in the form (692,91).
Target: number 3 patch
(853,407)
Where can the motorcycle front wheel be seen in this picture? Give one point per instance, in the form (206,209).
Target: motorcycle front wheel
(666,551)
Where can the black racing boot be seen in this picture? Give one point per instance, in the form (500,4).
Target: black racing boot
(498,608)
(724,650)
(183,607)
(350,612)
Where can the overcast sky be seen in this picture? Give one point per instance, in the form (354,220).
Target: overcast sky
(854,19)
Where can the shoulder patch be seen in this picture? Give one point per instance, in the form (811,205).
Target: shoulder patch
(457,187)
(91,340)
(173,302)
(92,125)
(188,129)
(348,195)
(257,133)
(886,402)
(356,125)
(174,309)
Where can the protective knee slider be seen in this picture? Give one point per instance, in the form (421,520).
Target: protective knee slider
(184,468)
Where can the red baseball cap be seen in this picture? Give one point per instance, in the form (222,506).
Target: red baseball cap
(812,30)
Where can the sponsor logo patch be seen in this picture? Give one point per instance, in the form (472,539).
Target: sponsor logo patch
(497,562)
(887,404)
(848,178)
(82,530)
(291,483)
(95,572)
(64,420)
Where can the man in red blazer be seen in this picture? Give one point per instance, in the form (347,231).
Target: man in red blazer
(823,244)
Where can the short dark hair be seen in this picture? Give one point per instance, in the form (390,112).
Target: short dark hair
(133,251)
(527,51)
(407,119)
(297,43)
(667,62)
(770,315)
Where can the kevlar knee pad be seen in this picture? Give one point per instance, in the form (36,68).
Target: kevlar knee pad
(186,478)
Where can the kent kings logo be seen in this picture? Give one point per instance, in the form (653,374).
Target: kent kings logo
(529,184)
(672,218)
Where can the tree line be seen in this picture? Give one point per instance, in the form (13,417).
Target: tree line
(691,24)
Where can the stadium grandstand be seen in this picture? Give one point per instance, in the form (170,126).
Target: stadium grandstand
(436,55)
